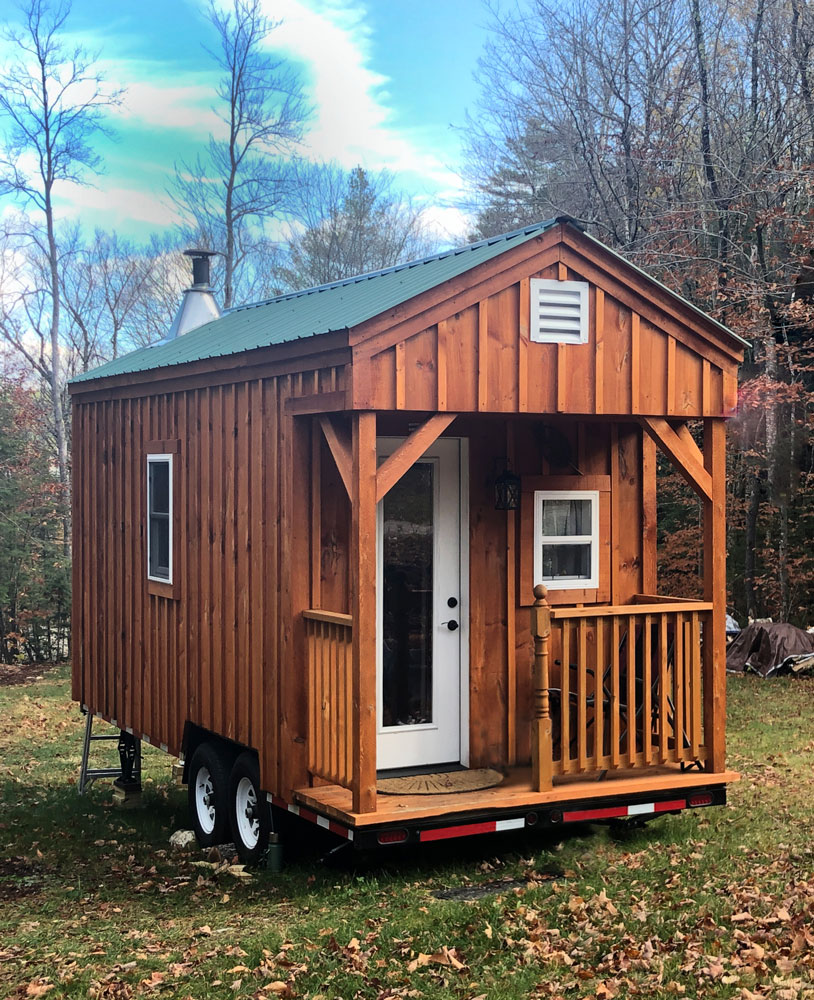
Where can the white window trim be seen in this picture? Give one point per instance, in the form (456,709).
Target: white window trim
(150,460)
(558,583)
(538,285)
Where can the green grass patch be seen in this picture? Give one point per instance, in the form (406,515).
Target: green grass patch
(714,903)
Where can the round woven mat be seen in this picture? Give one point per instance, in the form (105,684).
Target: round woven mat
(438,784)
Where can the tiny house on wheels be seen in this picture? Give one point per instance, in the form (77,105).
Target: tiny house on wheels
(383,553)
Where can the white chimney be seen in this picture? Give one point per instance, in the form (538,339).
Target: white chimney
(198,305)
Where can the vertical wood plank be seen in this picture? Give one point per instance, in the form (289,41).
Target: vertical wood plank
(635,364)
(441,364)
(523,346)
(671,375)
(271,575)
(245,515)
(706,388)
(615,526)
(599,353)
(511,605)
(316,515)
(401,375)
(483,355)
(363,603)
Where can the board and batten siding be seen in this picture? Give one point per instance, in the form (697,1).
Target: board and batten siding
(212,655)
(637,361)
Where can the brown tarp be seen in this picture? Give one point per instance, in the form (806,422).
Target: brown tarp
(761,646)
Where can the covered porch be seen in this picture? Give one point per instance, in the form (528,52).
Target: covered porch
(598,697)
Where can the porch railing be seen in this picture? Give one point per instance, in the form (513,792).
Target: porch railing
(330,696)
(617,687)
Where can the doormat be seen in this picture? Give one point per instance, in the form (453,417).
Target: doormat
(438,784)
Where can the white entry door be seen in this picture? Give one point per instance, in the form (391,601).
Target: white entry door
(422,611)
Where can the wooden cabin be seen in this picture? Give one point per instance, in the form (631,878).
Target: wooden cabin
(356,489)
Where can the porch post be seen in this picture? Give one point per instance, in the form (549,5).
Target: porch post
(363,610)
(542,750)
(715,591)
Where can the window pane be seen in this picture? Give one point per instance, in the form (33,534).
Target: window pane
(408,587)
(160,546)
(567,562)
(159,487)
(566,517)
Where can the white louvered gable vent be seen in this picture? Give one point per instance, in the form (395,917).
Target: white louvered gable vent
(559,311)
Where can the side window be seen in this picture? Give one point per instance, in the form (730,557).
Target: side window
(159,518)
(566,538)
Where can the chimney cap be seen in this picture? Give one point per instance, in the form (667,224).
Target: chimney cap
(200,254)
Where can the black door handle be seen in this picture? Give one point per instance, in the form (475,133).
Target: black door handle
(452,625)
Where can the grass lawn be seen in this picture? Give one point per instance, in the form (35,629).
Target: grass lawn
(714,903)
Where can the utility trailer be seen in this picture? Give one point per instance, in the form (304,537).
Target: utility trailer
(402,529)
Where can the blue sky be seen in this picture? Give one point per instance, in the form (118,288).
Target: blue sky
(389,81)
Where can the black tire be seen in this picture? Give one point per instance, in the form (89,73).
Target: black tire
(208,791)
(249,812)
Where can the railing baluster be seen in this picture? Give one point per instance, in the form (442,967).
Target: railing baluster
(615,706)
(565,699)
(330,736)
(582,693)
(599,695)
(631,690)
(663,651)
(696,685)
(678,686)
(647,690)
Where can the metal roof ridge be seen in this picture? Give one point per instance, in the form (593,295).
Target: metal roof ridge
(393,268)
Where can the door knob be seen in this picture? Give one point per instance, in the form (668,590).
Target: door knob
(451,625)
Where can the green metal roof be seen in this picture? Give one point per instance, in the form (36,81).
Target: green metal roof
(334,307)
(324,309)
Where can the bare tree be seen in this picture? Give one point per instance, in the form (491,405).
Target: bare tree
(228,194)
(52,105)
(352,222)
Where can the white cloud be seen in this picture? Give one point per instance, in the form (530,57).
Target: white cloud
(354,120)
(115,207)
(164,104)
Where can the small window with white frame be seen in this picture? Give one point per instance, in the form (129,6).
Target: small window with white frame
(566,539)
(159,518)
(559,311)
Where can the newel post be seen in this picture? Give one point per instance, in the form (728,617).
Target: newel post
(541,743)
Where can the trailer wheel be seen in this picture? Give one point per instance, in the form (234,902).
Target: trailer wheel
(207,790)
(249,813)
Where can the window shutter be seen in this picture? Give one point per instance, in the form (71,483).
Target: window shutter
(559,311)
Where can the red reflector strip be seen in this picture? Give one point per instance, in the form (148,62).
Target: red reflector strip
(447,832)
(611,812)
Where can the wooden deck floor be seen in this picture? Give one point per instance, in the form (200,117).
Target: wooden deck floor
(515,792)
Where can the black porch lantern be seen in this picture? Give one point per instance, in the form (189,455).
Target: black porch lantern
(507,491)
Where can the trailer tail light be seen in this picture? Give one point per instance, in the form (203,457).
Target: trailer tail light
(701,799)
(392,836)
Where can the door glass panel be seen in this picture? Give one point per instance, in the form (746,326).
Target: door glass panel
(407,549)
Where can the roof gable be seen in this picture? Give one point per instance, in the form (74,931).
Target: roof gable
(385,306)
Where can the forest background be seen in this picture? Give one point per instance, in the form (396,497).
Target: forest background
(679,132)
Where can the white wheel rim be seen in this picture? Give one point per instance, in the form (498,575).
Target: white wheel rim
(205,800)
(247,813)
